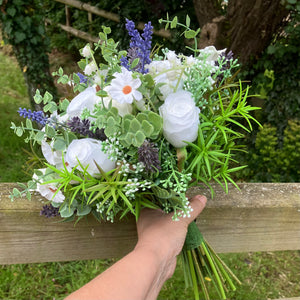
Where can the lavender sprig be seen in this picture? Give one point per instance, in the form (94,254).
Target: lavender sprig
(140,47)
(82,78)
(37,116)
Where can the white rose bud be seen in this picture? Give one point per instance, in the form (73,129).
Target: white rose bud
(87,152)
(86,99)
(180,118)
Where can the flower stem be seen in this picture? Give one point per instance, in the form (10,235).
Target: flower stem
(214,271)
(193,274)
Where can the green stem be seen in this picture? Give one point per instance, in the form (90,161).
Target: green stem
(223,264)
(214,271)
(202,281)
(193,275)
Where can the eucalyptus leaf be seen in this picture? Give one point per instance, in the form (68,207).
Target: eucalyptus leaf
(83,210)
(66,211)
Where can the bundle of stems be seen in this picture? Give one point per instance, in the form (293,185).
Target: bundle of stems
(203,268)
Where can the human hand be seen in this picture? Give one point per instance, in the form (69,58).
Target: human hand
(165,237)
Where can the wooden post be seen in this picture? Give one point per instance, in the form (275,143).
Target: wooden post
(259,217)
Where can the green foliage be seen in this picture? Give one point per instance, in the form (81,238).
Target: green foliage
(216,144)
(275,77)
(23,28)
(272,160)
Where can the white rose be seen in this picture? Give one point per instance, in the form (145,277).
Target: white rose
(53,157)
(87,152)
(86,99)
(180,118)
(48,190)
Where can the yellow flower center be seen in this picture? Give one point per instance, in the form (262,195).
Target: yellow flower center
(127,89)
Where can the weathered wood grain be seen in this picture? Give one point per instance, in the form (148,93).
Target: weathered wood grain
(259,217)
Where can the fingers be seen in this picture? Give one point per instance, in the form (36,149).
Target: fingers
(197,203)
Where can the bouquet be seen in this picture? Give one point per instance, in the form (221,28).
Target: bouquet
(145,125)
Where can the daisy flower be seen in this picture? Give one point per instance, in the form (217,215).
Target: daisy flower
(123,87)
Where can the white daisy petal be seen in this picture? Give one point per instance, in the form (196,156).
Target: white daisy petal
(123,87)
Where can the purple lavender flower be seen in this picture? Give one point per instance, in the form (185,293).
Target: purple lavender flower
(37,116)
(49,211)
(82,78)
(140,47)
(148,155)
(83,127)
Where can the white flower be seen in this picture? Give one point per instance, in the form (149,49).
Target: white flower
(86,99)
(180,118)
(169,86)
(123,87)
(88,152)
(123,108)
(86,51)
(211,54)
(90,68)
(167,72)
(48,190)
(53,157)
(98,80)
(190,60)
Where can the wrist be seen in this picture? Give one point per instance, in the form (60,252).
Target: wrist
(161,258)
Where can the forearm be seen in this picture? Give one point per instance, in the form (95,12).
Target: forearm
(139,275)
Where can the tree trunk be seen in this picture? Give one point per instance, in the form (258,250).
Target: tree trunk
(246,28)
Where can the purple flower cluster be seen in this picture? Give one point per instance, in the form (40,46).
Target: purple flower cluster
(140,47)
(148,155)
(83,127)
(37,116)
(225,59)
(49,211)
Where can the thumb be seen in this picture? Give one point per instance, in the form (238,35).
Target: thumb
(197,203)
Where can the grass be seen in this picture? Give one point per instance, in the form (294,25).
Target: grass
(266,275)
(13,95)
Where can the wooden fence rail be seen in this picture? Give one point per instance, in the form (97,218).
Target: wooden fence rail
(259,217)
